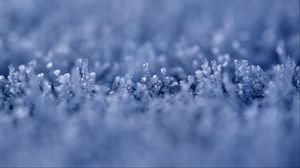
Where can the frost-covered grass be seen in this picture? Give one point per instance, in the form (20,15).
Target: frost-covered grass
(149,83)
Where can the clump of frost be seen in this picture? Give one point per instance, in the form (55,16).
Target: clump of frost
(153,118)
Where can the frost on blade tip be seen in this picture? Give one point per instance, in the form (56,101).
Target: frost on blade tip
(63,79)
(251,80)
(163,71)
(146,68)
(56,72)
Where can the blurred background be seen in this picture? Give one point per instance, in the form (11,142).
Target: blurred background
(115,35)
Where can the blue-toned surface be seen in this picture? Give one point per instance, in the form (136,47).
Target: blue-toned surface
(149,83)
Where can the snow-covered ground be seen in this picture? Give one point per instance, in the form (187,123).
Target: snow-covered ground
(149,83)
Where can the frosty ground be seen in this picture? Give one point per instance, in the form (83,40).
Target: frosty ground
(149,83)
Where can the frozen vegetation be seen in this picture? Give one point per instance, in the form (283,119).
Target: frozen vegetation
(149,83)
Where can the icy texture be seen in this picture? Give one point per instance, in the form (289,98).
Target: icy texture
(149,83)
